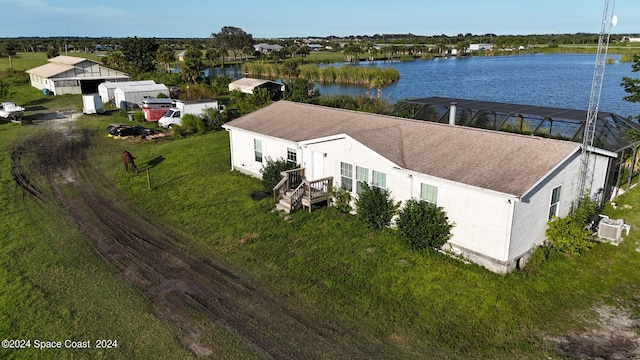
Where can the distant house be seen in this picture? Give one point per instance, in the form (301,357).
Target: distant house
(500,189)
(267,48)
(72,75)
(480,47)
(248,86)
(315,47)
(181,55)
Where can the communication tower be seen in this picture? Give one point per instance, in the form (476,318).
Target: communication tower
(586,170)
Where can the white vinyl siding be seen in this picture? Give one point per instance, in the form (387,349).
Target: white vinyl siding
(346,176)
(257,150)
(362,175)
(292,155)
(429,193)
(555,200)
(379,180)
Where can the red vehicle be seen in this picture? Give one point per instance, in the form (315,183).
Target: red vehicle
(155,108)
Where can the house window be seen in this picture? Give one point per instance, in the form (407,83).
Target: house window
(429,193)
(555,201)
(257,149)
(346,176)
(292,155)
(362,176)
(379,180)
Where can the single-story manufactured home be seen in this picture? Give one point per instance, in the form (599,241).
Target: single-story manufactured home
(500,189)
(248,85)
(72,75)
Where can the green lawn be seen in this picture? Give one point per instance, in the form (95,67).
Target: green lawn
(52,286)
(427,303)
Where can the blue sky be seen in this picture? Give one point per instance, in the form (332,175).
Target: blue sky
(279,18)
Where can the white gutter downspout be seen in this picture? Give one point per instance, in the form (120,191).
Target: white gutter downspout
(231,147)
(452,113)
(512,210)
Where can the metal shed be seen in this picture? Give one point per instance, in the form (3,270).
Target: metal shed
(248,85)
(128,94)
(106,89)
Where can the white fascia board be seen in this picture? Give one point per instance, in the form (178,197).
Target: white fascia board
(543,178)
(230,128)
(304,143)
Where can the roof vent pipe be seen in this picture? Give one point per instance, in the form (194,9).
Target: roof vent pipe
(452,113)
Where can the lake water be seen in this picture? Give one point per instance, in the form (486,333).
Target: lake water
(556,80)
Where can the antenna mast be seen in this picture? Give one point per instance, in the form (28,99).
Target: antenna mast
(586,174)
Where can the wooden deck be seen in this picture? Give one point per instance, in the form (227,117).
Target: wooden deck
(294,191)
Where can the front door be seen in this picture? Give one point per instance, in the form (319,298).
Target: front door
(317,171)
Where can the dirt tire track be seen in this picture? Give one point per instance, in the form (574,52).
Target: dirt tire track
(178,275)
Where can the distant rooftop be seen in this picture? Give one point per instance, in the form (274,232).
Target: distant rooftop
(612,131)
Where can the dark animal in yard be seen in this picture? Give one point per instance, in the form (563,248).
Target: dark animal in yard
(127,158)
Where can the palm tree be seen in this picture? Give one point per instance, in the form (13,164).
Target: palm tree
(246,51)
(378,82)
(114,59)
(222,53)
(303,51)
(166,56)
(352,50)
(462,47)
(442,48)
(193,65)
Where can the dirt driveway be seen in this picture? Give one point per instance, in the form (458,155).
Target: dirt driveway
(186,284)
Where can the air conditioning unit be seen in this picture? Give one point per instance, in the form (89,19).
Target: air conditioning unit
(610,230)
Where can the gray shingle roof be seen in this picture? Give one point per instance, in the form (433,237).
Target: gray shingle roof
(502,162)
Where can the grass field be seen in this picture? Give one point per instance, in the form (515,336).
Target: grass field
(426,302)
(54,287)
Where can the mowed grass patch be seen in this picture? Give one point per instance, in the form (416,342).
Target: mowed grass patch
(53,287)
(424,303)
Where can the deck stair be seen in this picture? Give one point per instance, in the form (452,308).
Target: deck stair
(295,192)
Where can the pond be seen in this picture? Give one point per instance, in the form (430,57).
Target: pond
(556,80)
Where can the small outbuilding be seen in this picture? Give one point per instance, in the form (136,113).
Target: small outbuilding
(134,94)
(248,86)
(72,75)
(106,89)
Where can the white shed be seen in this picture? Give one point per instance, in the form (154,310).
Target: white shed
(500,189)
(136,93)
(106,89)
(248,85)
